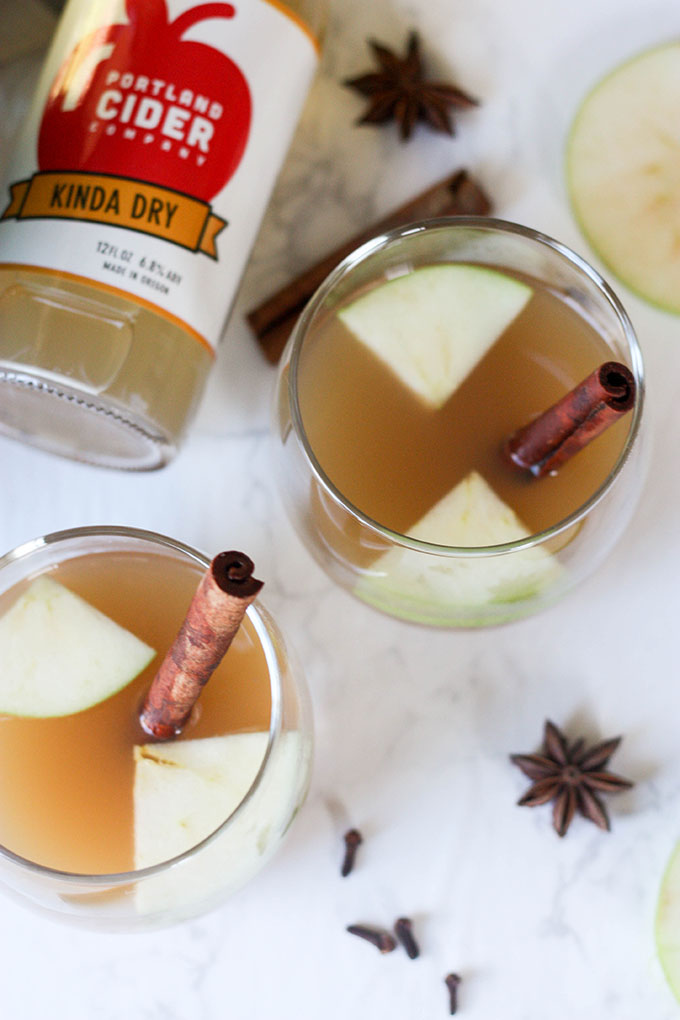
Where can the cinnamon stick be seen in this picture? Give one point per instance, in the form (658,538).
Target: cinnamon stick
(574,421)
(272,322)
(213,618)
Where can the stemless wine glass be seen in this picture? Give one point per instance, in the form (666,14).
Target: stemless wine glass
(418,580)
(200,878)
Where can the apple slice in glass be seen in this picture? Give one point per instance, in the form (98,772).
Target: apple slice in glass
(433,325)
(60,655)
(471,515)
(185,789)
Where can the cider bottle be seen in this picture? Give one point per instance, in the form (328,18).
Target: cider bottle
(131,202)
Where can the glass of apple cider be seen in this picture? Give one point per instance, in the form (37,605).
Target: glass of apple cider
(99,826)
(412,365)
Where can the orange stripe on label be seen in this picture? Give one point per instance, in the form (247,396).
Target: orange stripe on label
(284,9)
(118,202)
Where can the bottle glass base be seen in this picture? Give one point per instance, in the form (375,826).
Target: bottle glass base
(88,374)
(56,418)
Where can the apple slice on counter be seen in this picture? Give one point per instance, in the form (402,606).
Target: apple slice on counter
(623,173)
(433,325)
(184,790)
(59,655)
(668,923)
(470,515)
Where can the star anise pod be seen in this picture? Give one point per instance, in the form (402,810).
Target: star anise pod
(571,776)
(398,91)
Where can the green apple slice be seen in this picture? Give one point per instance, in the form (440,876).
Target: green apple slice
(60,655)
(433,325)
(623,173)
(470,515)
(184,790)
(668,922)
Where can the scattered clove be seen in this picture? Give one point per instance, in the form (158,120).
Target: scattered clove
(403,926)
(382,940)
(403,929)
(352,840)
(452,981)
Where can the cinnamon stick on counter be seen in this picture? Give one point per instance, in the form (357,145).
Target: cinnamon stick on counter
(213,618)
(565,428)
(272,322)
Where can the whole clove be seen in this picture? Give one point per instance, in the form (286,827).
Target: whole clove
(452,981)
(382,940)
(352,839)
(403,929)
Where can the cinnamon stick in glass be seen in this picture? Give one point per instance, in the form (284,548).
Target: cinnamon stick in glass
(213,618)
(574,421)
(272,322)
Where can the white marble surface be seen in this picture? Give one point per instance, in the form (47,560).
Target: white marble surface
(413,727)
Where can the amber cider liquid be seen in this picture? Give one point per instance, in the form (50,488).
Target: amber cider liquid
(66,783)
(127,358)
(393,458)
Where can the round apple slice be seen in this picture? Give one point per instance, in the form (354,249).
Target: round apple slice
(60,655)
(668,923)
(623,173)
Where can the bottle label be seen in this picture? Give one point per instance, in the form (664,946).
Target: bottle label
(152,147)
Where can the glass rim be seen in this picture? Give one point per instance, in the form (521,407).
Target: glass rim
(489,225)
(260,625)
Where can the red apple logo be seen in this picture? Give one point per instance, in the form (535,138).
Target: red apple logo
(136,100)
